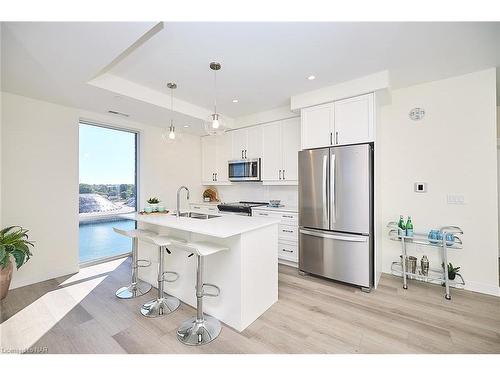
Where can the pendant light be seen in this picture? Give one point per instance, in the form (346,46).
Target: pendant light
(215,123)
(171,130)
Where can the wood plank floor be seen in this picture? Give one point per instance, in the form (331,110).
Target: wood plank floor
(80,314)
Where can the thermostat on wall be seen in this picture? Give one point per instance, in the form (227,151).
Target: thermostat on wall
(420,187)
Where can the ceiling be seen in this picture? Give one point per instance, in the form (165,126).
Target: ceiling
(263,64)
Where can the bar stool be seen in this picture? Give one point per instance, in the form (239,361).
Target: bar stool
(162,305)
(137,287)
(201,329)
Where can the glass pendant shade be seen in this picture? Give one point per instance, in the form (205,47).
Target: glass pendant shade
(171,133)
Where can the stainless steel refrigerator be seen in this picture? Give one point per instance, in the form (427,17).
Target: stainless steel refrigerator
(336,213)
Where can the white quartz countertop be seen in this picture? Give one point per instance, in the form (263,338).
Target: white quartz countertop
(283,208)
(223,226)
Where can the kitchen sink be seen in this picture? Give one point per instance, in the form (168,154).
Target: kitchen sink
(198,215)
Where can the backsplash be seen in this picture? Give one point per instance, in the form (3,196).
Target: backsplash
(256,192)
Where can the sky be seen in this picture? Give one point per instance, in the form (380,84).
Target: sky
(107,156)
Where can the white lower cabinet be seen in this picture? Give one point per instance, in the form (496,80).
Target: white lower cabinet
(288,233)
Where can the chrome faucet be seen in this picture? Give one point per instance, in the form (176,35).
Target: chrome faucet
(179,199)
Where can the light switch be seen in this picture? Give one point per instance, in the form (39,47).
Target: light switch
(455,199)
(420,187)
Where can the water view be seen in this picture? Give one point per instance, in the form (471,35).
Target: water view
(98,240)
(106,155)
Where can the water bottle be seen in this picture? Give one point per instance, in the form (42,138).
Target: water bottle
(409,227)
(401,227)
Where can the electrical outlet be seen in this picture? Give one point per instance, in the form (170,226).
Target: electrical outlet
(455,199)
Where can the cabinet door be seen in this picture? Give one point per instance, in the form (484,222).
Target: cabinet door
(271,158)
(254,142)
(316,126)
(222,155)
(239,143)
(207,159)
(354,120)
(290,146)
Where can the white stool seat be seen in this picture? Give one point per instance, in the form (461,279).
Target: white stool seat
(202,248)
(134,233)
(164,240)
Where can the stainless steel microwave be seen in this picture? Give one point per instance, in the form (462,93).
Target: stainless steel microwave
(244,170)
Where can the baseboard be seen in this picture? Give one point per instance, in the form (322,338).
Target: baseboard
(482,288)
(288,263)
(19,283)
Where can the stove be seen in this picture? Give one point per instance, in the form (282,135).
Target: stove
(240,208)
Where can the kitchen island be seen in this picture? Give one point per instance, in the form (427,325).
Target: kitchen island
(247,273)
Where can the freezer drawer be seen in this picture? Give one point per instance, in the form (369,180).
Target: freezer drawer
(337,256)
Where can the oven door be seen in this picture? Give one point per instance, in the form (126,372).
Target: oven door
(244,170)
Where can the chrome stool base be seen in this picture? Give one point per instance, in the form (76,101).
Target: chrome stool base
(160,307)
(127,292)
(198,332)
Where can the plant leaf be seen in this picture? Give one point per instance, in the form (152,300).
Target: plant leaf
(4,257)
(19,256)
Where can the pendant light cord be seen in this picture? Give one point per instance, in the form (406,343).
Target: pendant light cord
(215,91)
(171,106)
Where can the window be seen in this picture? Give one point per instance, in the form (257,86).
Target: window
(108,188)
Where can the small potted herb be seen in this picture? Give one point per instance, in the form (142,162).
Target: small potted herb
(452,271)
(153,203)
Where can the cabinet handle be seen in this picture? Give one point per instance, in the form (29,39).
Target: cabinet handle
(280,174)
(242,154)
(331,138)
(283,174)
(336,138)
(216,177)
(196,207)
(288,216)
(287,231)
(213,176)
(288,251)
(263,214)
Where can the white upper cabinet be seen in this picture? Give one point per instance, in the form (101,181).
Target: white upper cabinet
(222,155)
(239,143)
(342,122)
(208,161)
(317,124)
(290,144)
(354,120)
(254,142)
(271,158)
(215,152)
(281,143)
(247,143)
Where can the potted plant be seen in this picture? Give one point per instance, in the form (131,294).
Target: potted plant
(153,203)
(452,271)
(13,242)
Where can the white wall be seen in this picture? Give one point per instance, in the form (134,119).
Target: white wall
(453,149)
(40,177)
(40,183)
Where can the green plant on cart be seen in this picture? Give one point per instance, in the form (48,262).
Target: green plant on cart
(452,271)
(153,200)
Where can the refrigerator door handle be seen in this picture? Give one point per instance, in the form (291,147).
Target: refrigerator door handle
(334,236)
(333,211)
(326,213)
